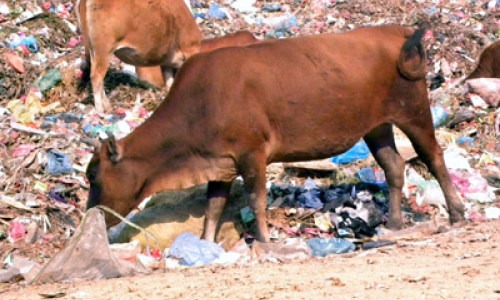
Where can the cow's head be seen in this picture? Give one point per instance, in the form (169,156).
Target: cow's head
(115,181)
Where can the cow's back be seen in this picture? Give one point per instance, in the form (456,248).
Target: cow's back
(272,89)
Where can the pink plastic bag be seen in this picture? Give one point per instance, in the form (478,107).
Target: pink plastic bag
(17,230)
(471,185)
(487,88)
(23,150)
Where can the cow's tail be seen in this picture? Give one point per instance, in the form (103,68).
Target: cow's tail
(412,59)
(85,66)
(85,77)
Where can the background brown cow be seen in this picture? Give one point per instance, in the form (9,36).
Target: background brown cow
(154,75)
(489,63)
(140,33)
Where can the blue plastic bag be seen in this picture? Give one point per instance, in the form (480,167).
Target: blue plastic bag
(200,15)
(323,247)
(310,199)
(466,140)
(29,41)
(215,11)
(358,151)
(194,252)
(439,116)
(65,117)
(58,163)
(274,7)
(367,175)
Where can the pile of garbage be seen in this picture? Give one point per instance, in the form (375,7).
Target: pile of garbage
(47,125)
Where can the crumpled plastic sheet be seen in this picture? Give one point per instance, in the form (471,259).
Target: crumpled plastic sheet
(323,247)
(195,252)
(87,256)
(58,163)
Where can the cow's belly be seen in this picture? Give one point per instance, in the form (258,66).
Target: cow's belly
(135,57)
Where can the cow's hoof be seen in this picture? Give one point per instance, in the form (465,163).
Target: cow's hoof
(262,237)
(394,225)
(457,219)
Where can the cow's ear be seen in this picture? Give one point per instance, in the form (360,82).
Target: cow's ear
(111,148)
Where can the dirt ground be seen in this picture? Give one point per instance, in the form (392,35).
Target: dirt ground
(459,264)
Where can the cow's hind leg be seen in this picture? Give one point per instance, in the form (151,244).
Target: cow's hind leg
(420,131)
(217,196)
(152,75)
(168,76)
(381,144)
(99,68)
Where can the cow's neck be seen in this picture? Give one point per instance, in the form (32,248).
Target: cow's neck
(172,160)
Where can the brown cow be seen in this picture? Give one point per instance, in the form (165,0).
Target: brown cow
(140,33)
(154,75)
(233,110)
(489,63)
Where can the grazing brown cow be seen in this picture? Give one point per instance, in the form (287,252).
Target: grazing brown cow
(234,110)
(154,75)
(489,63)
(139,32)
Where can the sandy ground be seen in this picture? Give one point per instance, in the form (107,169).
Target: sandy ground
(458,264)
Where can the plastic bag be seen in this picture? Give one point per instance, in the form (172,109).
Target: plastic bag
(487,88)
(245,6)
(471,185)
(15,62)
(358,151)
(432,195)
(440,115)
(87,256)
(273,7)
(29,42)
(216,12)
(283,23)
(291,249)
(50,79)
(456,158)
(26,112)
(17,230)
(323,247)
(58,163)
(194,252)
(492,212)
(126,251)
(372,176)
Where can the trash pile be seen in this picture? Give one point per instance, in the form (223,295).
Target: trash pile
(48,129)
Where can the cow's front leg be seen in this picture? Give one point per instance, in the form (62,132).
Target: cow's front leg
(253,171)
(217,196)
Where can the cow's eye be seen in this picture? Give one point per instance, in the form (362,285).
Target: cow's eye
(91,176)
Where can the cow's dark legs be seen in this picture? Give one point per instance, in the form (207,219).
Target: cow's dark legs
(421,134)
(381,144)
(217,196)
(253,170)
